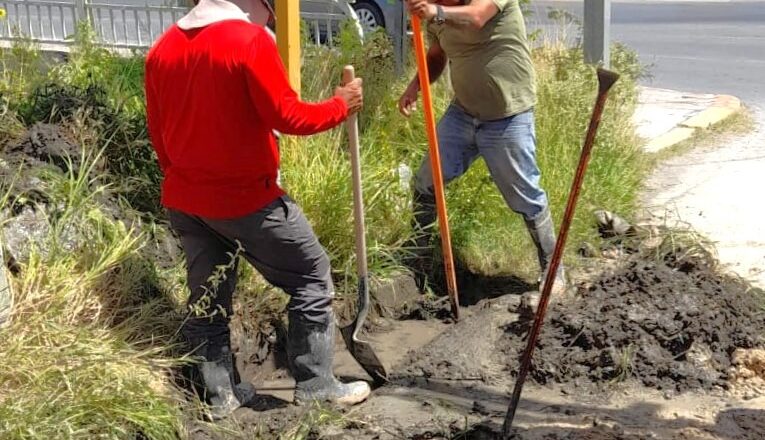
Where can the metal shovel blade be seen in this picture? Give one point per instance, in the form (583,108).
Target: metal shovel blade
(361,350)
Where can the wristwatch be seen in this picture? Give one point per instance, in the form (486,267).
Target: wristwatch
(439,18)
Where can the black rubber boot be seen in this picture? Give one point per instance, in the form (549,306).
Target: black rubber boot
(542,233)
(420,262)
(222,387)
(311,352)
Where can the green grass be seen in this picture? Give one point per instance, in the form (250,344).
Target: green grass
(90,353)
(88,348)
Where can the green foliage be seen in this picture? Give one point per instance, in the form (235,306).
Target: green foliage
(87,350)
(20,70)
(105,92)
(487,236)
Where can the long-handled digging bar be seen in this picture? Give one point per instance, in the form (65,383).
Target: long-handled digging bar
(360,350)
(606,80)
(435,165)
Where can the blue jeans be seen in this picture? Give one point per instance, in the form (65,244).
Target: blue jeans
(508,146)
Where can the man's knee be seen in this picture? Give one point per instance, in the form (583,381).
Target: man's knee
(532,209)
(314,292)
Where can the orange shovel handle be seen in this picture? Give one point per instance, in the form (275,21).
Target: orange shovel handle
(435,165)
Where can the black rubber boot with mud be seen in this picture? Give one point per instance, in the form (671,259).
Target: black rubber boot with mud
(542,233)
(311,352)
(222,388)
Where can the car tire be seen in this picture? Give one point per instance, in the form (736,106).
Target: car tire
(369,14)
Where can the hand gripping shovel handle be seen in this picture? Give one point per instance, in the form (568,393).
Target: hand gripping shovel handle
(435,165)
(360,350)
(606,80)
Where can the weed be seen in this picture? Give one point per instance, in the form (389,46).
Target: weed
(624,364)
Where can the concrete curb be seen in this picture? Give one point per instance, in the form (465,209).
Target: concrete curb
(723,107)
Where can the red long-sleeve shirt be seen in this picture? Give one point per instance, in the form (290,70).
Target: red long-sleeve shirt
(214,95)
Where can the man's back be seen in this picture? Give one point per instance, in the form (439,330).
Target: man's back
(214,95)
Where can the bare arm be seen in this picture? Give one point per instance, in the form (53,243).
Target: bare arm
(436,60)
(474,15)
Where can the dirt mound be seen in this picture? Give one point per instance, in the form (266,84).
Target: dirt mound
(467,350)
(672,325)
(45,143)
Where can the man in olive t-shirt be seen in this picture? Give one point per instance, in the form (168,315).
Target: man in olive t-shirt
(492,114)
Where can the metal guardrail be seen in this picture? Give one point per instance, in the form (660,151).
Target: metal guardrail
(53,22)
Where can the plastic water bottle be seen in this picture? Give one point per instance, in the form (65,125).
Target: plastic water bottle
(404,176)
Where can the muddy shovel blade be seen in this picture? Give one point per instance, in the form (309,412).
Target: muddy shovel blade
(361,350)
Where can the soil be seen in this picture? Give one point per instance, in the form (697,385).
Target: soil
(671,325)
(648,350)
(45,143)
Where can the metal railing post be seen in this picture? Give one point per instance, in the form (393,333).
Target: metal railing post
(597,32)
(82,12)
(400,37)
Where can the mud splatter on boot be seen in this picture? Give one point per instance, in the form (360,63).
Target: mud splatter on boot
(542,234)
(311,352)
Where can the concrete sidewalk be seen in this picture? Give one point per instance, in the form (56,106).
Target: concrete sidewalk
(667,117)
(715,189)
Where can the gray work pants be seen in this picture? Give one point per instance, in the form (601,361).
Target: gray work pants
(277,240)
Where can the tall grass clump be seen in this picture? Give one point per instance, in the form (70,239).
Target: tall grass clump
(21,69)
(109,88)
(87,350)
(316,170)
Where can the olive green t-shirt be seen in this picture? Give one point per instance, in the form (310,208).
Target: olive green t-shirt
(490,68)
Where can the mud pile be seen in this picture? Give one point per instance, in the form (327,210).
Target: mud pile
(672,325)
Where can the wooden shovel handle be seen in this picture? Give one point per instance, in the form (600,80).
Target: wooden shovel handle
(352,126)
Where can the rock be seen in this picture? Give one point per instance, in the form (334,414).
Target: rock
(611,225)
(588,250)
(395,293)
(30,230)
(528,306)
(747,364)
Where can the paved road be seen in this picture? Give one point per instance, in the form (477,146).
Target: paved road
(707,48)
(693,46)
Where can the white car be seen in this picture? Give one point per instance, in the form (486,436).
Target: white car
(372,14)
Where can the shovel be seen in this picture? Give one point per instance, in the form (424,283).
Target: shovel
(360,350)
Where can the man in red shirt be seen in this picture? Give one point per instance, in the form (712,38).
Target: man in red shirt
(216,90)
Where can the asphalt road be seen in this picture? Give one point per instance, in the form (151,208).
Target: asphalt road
(691,46)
